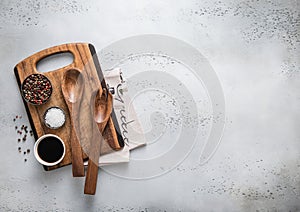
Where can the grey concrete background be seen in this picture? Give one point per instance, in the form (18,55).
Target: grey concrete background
(253,45)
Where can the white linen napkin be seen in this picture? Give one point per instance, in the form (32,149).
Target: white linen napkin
(130,130)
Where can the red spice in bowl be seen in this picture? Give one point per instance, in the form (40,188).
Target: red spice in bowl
(36,89)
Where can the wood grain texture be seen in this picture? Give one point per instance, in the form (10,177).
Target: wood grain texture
(72,88)
(102,104)
(92,169)
(85,61)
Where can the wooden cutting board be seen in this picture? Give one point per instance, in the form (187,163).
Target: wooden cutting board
(85,60)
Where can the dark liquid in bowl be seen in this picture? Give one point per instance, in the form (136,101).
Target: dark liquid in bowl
(50,149)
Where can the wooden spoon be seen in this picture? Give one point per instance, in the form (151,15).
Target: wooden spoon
(101,103)
(72,89)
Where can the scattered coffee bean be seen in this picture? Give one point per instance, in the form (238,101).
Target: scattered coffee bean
(28,150)
(25,159)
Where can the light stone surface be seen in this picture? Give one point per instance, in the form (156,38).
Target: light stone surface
(253,45)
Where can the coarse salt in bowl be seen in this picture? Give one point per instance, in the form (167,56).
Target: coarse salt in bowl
(54,117)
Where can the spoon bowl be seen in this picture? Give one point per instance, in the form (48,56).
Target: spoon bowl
(103,106)
(72,85)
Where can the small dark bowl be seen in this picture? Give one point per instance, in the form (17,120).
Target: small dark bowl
(38,89)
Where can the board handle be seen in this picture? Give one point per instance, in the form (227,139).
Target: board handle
(64,48)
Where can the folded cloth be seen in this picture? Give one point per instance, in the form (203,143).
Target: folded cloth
(130,128)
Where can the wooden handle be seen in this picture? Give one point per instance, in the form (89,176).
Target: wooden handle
(92,170)
(54,50)
(113,143)
(91,178)
(76,150)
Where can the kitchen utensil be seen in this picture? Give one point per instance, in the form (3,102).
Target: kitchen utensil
(72,89)
(101,104)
